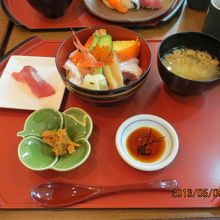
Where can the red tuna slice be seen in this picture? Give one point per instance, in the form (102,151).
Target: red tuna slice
(151,4)
(39,87)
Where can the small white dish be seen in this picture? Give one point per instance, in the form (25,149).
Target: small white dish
(146,120)
(17,95)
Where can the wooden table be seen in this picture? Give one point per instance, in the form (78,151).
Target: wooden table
(188,20)
(5,28)
(3,23)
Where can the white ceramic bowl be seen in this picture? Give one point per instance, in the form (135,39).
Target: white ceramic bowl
(146,120)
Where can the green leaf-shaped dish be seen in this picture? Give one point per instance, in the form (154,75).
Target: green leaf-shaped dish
(78,123)
(41,120)
(71,161)
(37,155)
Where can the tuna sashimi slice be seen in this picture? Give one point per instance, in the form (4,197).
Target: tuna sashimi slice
(39,87)
(151,4)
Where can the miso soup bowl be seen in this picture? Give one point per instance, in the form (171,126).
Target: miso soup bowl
(192,40)
(104,96)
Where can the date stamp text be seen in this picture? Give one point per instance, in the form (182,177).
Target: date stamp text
(195,193)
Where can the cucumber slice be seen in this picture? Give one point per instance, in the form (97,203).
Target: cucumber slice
(106,40)
(94,42)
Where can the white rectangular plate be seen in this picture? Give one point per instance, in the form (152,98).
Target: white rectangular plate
(18,95)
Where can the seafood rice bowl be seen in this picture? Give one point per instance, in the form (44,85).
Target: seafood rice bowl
(103,64)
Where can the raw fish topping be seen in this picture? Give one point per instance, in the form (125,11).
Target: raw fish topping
(151,4)
(124,6)
(39,87)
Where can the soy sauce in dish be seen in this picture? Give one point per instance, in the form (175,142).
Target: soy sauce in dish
(146,144)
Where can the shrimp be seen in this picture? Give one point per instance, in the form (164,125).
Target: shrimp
(83,59)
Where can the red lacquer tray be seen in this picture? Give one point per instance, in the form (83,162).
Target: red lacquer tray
(196,120)
(75,17)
